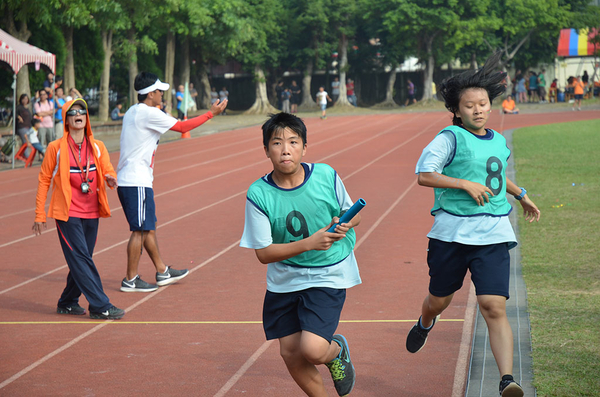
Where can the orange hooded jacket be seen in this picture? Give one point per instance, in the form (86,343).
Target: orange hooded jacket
(55,168)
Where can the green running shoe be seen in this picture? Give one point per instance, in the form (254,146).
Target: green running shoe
(341,368)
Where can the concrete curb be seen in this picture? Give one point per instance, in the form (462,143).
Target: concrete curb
(483,372)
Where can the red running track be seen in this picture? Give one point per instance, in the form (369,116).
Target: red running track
(203,336)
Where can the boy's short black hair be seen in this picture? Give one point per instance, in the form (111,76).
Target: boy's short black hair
(144,80)
(487,78)
(281,121)
(35,120)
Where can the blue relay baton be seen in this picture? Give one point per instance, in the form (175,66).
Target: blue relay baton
(348,215)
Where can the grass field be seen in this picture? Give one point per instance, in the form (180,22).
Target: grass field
(559,165)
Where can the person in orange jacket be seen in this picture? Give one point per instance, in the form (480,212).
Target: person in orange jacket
(80,168)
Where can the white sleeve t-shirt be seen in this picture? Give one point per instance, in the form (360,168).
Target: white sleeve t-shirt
(143,126)
(322,97)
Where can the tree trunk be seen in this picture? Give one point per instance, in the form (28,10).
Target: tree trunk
(69,77)
(388,102)
(133,66)
(474,61)
(428,73)
(105,78)
(307,104)
(343,50)
(169,68)
(185,61)
(22,34)
(205,90)
(261,104)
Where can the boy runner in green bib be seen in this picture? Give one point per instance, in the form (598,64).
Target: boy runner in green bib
(309,269)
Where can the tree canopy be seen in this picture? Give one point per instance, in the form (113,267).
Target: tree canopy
(182,39)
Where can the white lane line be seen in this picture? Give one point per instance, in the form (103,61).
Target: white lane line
(462,363)
(240,372)
(191,166)
(257,354)
(103,324)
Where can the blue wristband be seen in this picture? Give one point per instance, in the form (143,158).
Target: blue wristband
(523,193)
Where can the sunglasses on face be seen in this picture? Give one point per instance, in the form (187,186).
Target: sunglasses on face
(75,112)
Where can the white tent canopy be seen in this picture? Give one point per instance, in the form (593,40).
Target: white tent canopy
(17,54)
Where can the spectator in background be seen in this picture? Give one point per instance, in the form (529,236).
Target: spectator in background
(410,87)
(296,98)
(45,109)
(278,91)
(23,119)
(335,89)
(286,95)
(32,136)
(58,82)
(59,101)
(73,94)
(585,80)
(541,80)
(116,114)
(350,92)
(521,89)
(214,96)
(179,97)
(193,106)
(509,107)
(533,87)
(515,81)
(552,94)
(224,96)
(48,85)
(578,89)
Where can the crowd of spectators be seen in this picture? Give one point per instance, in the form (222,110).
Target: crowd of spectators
(530,87)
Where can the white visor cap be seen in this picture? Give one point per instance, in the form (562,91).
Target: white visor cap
(158,85)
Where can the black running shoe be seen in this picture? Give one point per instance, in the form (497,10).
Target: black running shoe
(137,285)
(341,368)
(510,388)
(72,309)
(418,336)
(170,276)
(113,313)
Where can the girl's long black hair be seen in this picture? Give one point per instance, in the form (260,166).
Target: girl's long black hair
(486,77)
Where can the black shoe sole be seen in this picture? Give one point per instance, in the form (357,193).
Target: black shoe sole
(60,310)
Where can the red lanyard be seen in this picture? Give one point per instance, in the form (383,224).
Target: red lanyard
(87,169)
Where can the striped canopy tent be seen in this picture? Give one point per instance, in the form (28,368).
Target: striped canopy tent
(577,44)
(17,54)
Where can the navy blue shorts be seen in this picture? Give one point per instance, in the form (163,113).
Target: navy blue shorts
(138,206)
(448,263)
(315,310)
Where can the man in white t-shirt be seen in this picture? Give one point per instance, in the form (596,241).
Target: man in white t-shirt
(143,125)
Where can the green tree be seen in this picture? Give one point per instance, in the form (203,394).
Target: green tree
(223,39)
(70,15)
(109,18)
(514,23)
(431,22)
(310,42)
(344,19)
(263,31)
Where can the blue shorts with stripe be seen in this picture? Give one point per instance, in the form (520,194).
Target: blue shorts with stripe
(138,206)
